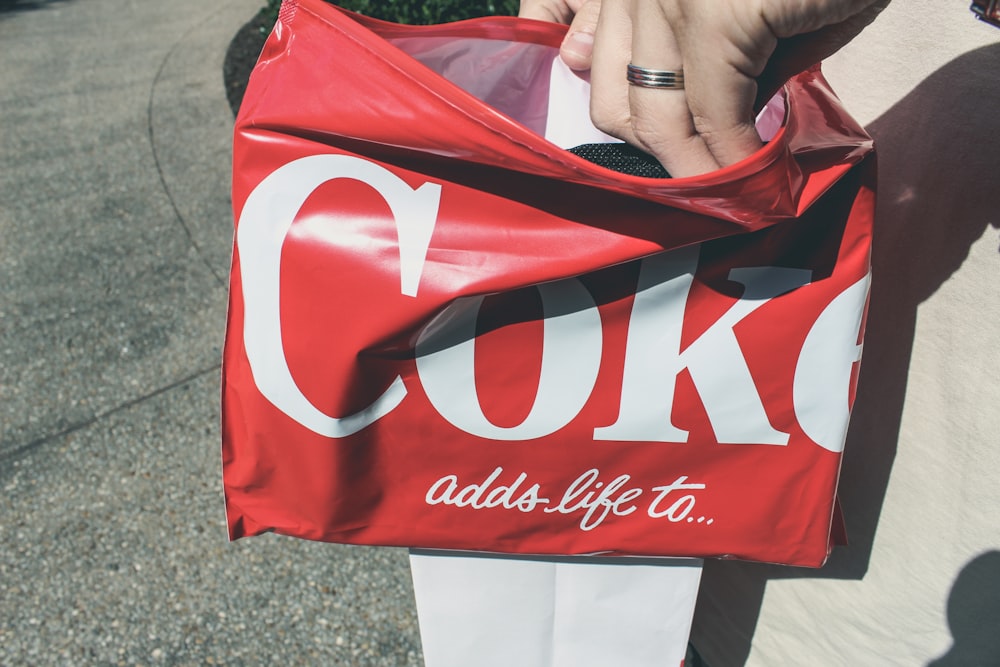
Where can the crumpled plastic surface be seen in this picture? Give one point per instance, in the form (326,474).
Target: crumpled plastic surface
(447,331)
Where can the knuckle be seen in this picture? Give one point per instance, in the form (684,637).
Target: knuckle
(654,137)
(704,125)
(609,120)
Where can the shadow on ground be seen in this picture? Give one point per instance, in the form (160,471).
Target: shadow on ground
(241,56)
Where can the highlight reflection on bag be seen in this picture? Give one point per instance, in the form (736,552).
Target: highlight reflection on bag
(447,331)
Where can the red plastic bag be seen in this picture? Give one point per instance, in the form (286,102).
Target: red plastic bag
(446,331)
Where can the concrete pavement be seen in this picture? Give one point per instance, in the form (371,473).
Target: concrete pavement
(115,233)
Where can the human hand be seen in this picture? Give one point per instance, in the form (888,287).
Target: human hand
(734,55)
(580,15)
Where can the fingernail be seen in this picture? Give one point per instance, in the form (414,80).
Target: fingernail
(579,44)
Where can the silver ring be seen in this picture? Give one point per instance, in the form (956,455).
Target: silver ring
(655,78)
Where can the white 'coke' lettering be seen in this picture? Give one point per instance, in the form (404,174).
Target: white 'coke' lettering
(264,222)
(572,338)
(715,361)
(823,372)
(571,358)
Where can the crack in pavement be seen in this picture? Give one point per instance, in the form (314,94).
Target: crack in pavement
(221,280)
(19,451)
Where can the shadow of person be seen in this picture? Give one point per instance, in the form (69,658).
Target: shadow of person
(11,6)
(937,159)
(974,614)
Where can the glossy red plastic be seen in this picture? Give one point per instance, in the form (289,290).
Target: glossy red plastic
(602,332)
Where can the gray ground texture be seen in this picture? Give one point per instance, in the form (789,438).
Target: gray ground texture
(115,234)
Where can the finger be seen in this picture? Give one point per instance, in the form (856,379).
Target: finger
(660,119)
(722,56)
(578,47)
(800,52)
(789,19)
(609,107)
(721,100)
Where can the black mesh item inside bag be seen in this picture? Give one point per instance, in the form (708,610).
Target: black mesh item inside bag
(622,158)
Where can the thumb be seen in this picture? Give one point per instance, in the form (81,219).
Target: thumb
(577,49)
(800,52)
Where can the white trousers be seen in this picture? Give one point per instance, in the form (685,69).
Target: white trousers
(489,610)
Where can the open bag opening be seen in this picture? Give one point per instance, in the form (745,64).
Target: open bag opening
(502,98)
(531,84)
